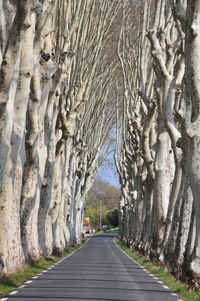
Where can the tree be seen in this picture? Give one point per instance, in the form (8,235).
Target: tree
(157,153)
(55,117)
(97,212)
(112,218)
(102,202)
(107,193)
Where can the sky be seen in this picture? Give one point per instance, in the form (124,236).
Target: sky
(108,172)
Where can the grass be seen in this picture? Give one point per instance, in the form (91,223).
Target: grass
(182,289)
(106,231)
(8,283)
(112,229)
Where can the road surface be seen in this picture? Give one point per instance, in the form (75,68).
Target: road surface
(97,272)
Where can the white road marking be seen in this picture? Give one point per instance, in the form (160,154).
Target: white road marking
(174,294)
(13,293)
(124,252)
(36,277)
(164,286)
(160,282)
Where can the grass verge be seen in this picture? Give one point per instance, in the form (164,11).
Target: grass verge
(106,231)
(182,289)
(7,284)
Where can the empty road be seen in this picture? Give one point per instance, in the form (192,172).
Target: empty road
(97,272)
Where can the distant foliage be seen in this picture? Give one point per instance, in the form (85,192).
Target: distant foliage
(106,192)
(112,218)
(96,210)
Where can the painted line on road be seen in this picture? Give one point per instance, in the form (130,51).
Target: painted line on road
(164,286)
(125,253)
(36,277)
(142,268)
(13,293)
(66,257)
(174,295)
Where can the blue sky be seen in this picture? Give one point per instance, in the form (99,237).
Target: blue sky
(108,171)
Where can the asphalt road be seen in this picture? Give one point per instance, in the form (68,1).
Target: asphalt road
(97,272)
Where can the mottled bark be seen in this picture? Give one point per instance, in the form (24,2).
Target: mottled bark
(157,154)
(54,74)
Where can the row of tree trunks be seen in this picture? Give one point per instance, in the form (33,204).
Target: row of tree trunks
(51,66)
(158,153)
